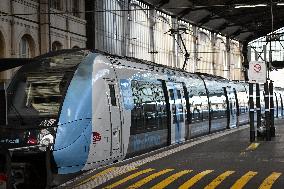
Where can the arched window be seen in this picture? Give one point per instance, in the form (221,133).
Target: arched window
(76,8)
(56,46)
(163,41)
(56,4)
(204,64)
(26,47)
(139,38)
(2,46)
(235,59)
(220,58)
(110,26)
(75,47)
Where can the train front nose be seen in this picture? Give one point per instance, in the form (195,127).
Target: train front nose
(73,136)
(71,146)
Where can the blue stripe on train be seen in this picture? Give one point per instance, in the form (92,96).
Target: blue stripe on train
(73,137)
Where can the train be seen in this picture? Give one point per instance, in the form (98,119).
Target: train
(74,110)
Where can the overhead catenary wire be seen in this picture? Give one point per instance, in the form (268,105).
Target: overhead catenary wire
(116,10)
(59,12)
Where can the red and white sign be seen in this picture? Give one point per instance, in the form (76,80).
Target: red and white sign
(257,68)
(96,137)
(257,72)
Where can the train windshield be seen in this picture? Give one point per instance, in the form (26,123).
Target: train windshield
(37,90)
(44,92)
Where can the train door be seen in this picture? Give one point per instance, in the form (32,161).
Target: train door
(177,110)
(115,118)
(232,107)
(281,104)
(188,114)
(275,101)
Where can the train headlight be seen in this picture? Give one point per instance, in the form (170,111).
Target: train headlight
(47,140)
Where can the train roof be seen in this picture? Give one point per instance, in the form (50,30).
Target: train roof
(152,65)
(115,59)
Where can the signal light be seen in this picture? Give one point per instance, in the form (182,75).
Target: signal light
(3,177)
(32,140)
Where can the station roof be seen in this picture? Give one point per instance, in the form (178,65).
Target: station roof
(238,19)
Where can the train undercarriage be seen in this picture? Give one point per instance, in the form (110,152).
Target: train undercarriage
(25,168)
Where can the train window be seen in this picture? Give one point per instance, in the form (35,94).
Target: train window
(198,101)
(174,112)
(177,107)
(149,112)
(38,88)
(243,101)
(217,99)
(171,91)
(178,94)
(42,93)
(112,94)
(177,110)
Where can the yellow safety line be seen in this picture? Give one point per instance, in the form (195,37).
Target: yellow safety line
(170,179)
(239,184)
(106,171)
(252,146)
(218,180)
(128,178)
(269,181)
(149,178)
(194,179)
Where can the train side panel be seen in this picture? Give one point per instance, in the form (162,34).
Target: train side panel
(218,105)
(144,107)
(198,110)
(107,134)
(232,106)
(242,96)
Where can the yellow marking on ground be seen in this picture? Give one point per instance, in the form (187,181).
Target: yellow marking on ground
(194,179)
(269,181)
(239,184)
(218,180)
(170,179)
(128,178)
(149,178)
(252,146)
(104,172)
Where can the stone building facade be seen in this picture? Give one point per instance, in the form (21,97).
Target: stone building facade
(32,27)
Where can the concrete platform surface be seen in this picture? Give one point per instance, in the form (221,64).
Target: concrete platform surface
(221,160)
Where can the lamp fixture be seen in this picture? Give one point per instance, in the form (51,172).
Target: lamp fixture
(256,5)
(250,6)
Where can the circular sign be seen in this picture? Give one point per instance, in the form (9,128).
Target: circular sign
(257,68)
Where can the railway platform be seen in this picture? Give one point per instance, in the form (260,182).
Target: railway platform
(220,160)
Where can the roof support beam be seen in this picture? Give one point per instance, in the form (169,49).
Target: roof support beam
(221,16)
(211,17)
(223,26)
(201,23)
(204,20)
(236,33)
(188,10)
(162,2)
(184,12)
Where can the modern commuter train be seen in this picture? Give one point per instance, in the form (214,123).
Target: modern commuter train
(92,108)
